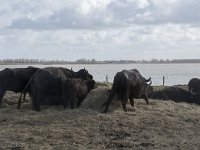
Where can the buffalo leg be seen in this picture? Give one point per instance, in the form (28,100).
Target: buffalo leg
(24,96)
(73,101)
(65,101)
(19,101)
(36,101)
(79,102)
(124,101)
(36,105)
(146,98)
(131,101)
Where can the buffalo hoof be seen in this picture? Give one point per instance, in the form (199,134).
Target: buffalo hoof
(105,111)
(132,104)
(37,109)
(125,110)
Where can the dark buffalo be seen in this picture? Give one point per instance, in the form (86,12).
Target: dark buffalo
(128,84)
(75,90)
(172,93)
(14,79)
(194,87)
(45,86)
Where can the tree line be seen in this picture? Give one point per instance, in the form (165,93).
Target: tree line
(93,61)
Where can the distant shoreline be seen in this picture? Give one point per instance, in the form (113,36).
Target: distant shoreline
(93,63)
(22,61)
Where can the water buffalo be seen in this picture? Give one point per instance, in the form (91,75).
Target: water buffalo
(45,85)
(194,87)
(128,84)
(75,90)
(173,93)
(14,79)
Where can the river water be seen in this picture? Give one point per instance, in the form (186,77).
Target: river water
(174,73)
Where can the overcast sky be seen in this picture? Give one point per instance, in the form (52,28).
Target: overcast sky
(100,29)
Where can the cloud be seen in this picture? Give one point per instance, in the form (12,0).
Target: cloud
(135,42)
(87,14)
(100,29)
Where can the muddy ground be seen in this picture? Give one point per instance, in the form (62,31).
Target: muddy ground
(160,125)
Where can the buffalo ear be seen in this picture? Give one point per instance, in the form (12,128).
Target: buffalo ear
(147,80)
(92,82)
(85,70)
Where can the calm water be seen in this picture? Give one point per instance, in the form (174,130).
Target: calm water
(174,73)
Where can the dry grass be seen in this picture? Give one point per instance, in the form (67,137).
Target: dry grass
(158,88)
(160,125)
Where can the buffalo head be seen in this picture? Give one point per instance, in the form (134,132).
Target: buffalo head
(90,84)
(196,95)
(83,74)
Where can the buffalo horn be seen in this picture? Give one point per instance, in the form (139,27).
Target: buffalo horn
(150,83)
(147,80)
(192,92)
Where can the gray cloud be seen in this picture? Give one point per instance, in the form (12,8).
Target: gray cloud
(100,29)
(187,12)
(119,13)
(63,19)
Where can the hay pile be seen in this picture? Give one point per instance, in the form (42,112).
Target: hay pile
(159,125)
(97,97)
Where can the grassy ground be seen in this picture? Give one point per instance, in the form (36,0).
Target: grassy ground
(160,125)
